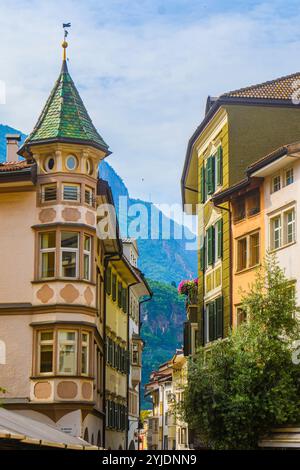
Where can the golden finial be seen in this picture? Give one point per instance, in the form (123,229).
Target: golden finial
(64,46)
(64,43)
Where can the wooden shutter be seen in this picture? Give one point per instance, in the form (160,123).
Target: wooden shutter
(219,166)
(210,175)
(219,317)
(187,339)
(202,256)
(108,281)
(114,287)
(120,289)
(202,184)
(210,240)
(220,238)
(211,321)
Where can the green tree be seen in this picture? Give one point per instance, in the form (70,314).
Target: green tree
(248,383)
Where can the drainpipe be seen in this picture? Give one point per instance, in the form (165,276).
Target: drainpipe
(115,257)
(140,391)
(230,260)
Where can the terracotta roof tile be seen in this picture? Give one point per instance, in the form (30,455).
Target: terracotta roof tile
(14,166)
(283,88)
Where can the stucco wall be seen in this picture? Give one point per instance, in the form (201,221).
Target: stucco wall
(17,215)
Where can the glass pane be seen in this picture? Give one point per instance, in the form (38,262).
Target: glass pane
(67,352)
(48,240)
(242,254)
(84,359)
(254,249)
(48,264)
(46,335)
(69,240)
(67,336)
(71,162)
(86,259)
(87,243)
(68,264)
(71,193)
(46,358)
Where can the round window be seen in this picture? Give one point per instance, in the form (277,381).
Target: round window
(71,162)
(49,164)
(89,166)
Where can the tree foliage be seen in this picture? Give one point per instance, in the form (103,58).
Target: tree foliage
(248,383)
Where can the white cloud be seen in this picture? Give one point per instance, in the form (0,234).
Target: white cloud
(144,80)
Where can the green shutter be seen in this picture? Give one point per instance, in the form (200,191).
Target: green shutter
(187,339)
(211,322)
(219,166)
(120,292)
(210,236)
(124,299)
(114,287)
(202,184)
(210,175)
(219,229)
(219,317)
(108,281)
(202,256)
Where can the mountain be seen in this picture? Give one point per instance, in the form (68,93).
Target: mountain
(164,262)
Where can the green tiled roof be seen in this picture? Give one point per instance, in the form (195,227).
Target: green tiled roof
(65,118)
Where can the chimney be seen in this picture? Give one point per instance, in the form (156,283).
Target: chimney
(12,147)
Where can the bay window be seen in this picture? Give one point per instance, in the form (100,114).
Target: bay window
(135,354)
(63,351)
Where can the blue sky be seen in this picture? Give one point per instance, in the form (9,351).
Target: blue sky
(144,69)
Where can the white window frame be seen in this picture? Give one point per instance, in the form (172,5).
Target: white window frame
(67,342)
(85,344)
(46,250)
(278,175)
(89,255)
(282,229)
(90,191)
(74,185)
(45,343)
(45,187)
(70,250)
(285,176)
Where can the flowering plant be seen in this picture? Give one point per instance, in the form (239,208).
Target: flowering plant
(187,285)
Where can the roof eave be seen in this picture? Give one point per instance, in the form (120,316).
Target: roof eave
(68,140)
(225,100)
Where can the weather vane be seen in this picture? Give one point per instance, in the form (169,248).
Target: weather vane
(65,44)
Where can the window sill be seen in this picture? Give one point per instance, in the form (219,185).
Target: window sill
(245,270)
(63,279)
(60,376)
(274,250)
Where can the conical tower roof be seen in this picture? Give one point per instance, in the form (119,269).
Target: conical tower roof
(65,118)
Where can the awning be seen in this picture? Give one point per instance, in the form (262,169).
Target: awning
(280,438)
(17,427)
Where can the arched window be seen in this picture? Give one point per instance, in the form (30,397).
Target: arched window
(2,352)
